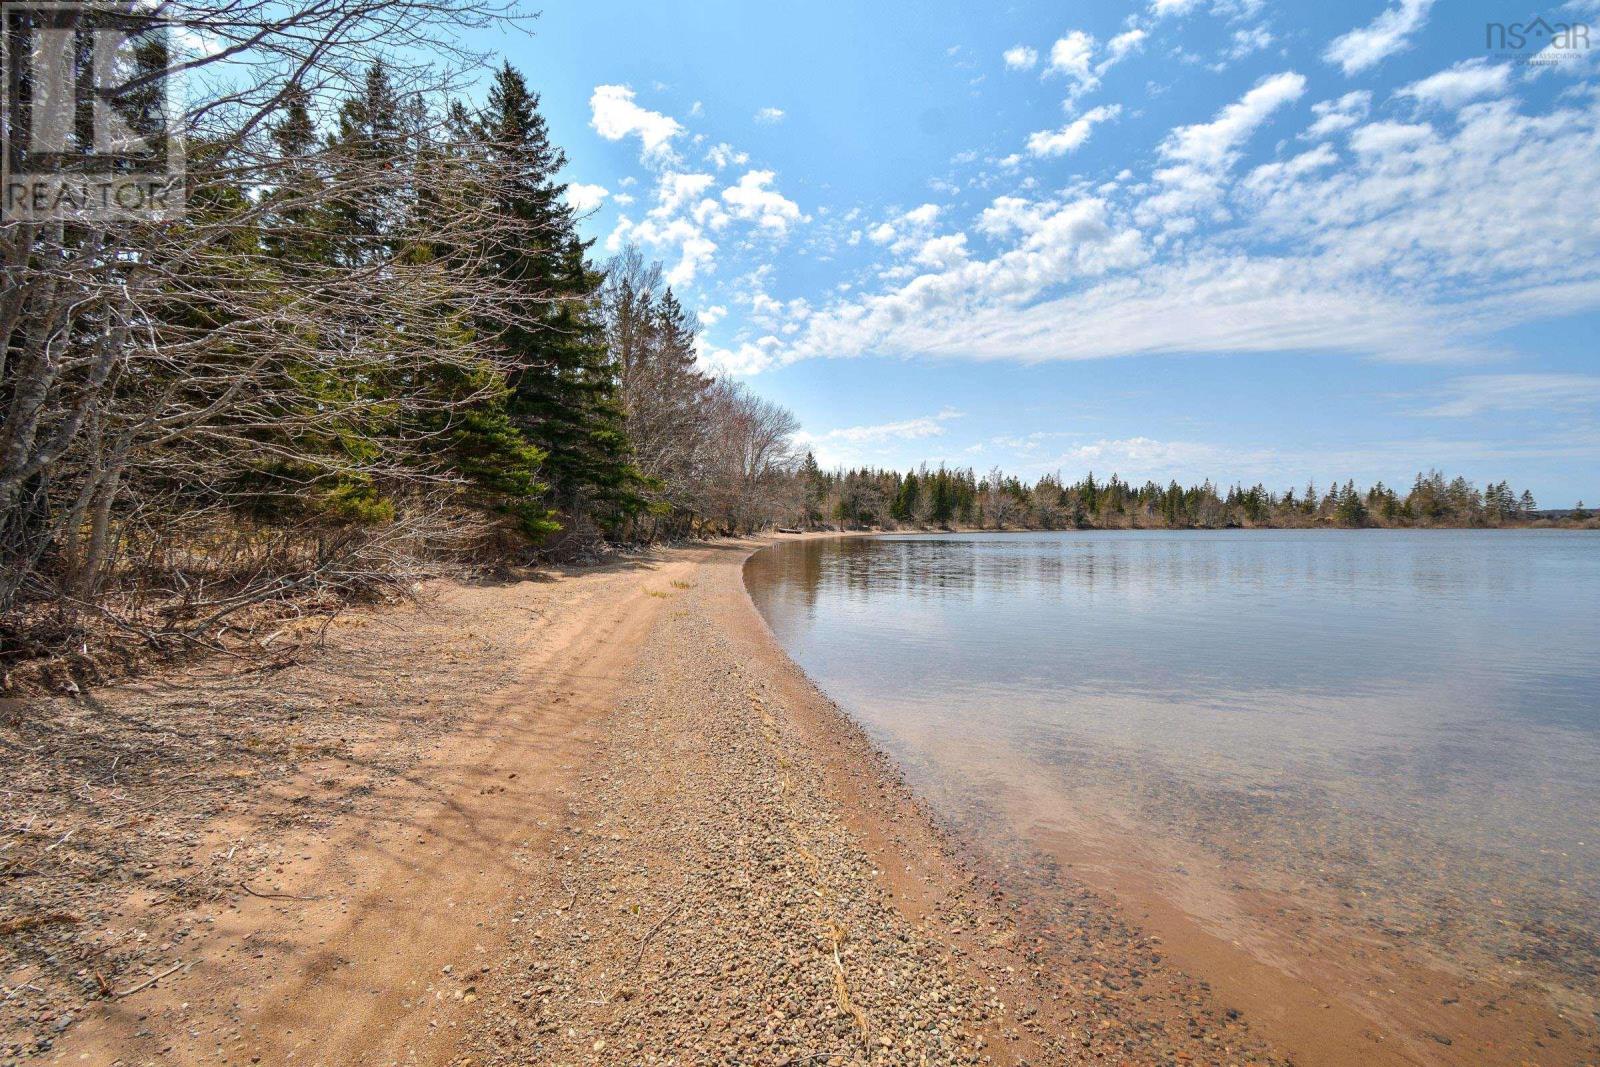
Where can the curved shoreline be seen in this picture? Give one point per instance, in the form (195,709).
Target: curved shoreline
(656,842)
(1320,1000)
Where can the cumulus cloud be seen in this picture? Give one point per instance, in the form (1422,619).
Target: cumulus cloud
(1465,81)
(1072,136)
(1020,57)
(752,200)
(614,114)
(585,198)
(769,116)
(1417,243)
(1387,34)
(1073,57)
(725,155)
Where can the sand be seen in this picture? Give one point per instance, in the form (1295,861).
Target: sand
(596,817)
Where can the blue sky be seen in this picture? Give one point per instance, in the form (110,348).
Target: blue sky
(1243,239)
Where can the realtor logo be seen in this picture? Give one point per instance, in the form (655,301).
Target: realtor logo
(1538,41)
(86,116)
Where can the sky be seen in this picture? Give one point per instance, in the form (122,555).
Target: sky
(1237,239)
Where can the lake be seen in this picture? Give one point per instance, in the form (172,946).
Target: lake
(1354,772)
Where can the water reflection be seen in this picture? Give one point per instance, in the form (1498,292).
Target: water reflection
(1406,721)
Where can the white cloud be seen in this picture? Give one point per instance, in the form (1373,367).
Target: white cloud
(1481,394)
(676,190)
(724,155)
(1020,57)
(943,252)
(1200,156)
(1334,116)
(1073,56)
(769,116)
(1008,214)
(748,358)
(753,201)
(615,115)
(1420,243)
(1383,37)
(1385,139)
(710,316)
(1071,137)
(585,198)
(1465,81)
(1271,175)
(1161,8)
(850,445)
(904,430)
(1249,41)
(1121,45)
(1211,144)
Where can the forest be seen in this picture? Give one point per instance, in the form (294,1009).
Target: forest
(373,344)
(949,499)
(376,345)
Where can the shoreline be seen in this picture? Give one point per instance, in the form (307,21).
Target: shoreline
(657,841)
(1312,991)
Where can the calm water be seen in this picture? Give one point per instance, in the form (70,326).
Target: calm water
(1402,729)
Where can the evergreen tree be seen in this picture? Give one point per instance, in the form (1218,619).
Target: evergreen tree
(563,386)
(296,225)
(371,151)
(907,499)
(813,490)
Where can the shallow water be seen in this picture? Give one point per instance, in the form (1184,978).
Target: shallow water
(1397,733)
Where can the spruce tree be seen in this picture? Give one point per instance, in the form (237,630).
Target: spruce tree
(563,386)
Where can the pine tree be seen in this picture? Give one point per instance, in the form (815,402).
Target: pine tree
(296,225)
(371,149)
(564,387)
(813,489)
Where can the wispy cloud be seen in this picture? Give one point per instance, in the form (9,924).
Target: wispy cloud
(1481,394)
(903,430)
(1387,34)
(1465,81)
(1072,136)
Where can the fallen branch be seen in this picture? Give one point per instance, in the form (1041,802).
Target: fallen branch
(645,940)
(273,896)
(152,980)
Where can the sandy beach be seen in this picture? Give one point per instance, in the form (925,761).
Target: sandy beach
(596,817)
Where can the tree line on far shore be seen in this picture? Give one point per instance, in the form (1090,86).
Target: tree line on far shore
(945,498)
